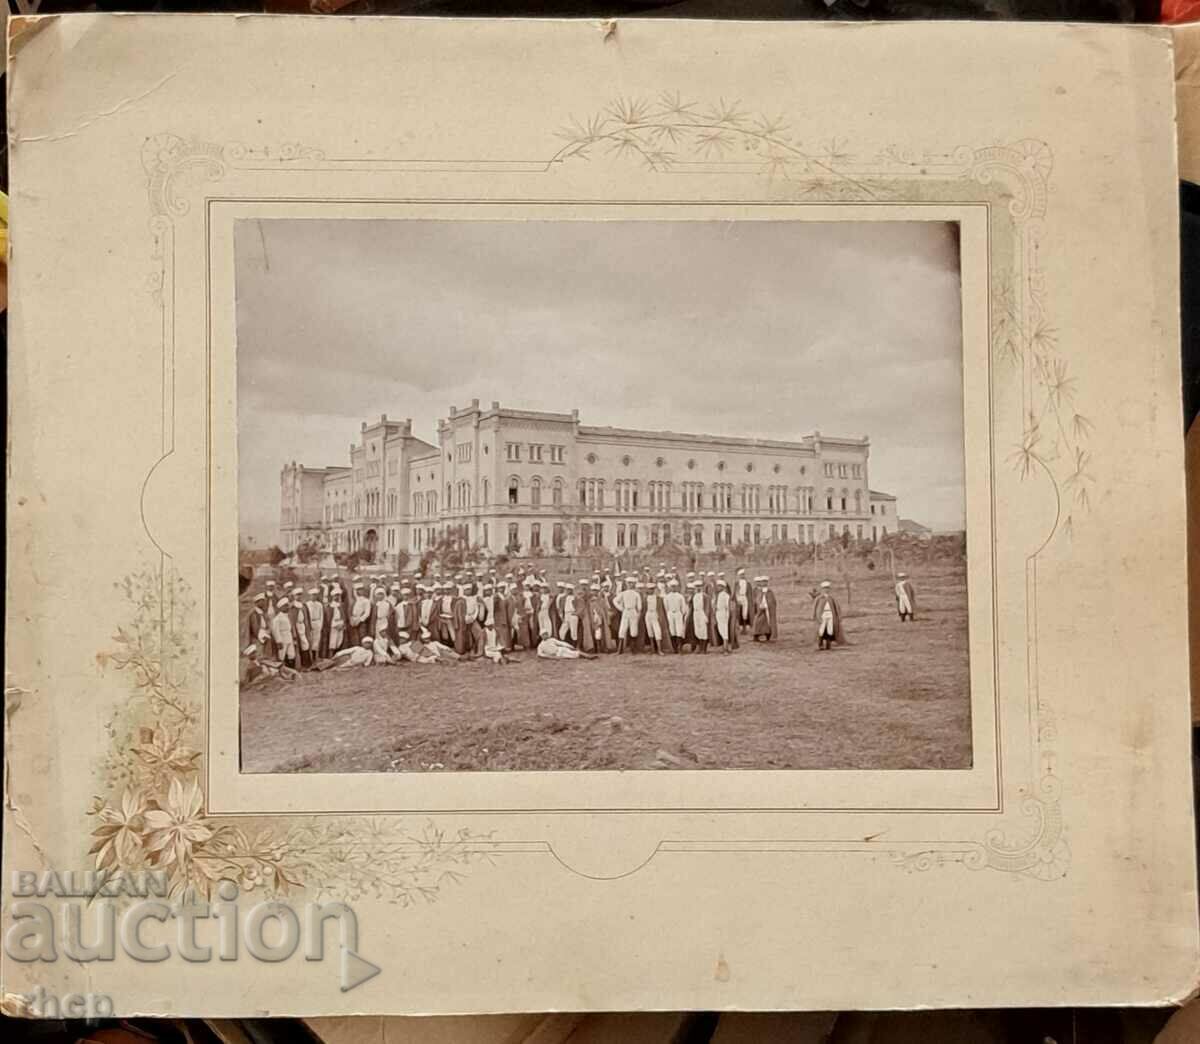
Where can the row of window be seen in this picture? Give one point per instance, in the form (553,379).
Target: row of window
(843,470)
(593,494)
(534,451)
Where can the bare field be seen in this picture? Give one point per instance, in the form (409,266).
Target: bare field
(895,696)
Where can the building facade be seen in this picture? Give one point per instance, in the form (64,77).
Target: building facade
(527,482)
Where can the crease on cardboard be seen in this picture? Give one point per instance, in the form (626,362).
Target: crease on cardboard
(124,103)
(12,703)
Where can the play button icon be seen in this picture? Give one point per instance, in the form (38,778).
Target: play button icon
(355,970)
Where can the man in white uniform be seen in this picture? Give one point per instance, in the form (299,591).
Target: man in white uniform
(723,615)
(676,613)
(741,594)
(629,604)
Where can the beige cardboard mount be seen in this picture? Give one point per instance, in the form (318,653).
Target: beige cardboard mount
(1058,870)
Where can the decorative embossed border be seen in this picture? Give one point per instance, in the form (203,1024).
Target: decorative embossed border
(151,811)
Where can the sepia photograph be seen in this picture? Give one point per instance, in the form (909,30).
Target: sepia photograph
(600,495)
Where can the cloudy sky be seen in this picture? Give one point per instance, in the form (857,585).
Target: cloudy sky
(755,328)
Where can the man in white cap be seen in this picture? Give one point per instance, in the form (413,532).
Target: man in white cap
(554,649)
(316,623)
(628,604)
(258,630)
(658,629)
(723,621)
(700,614)
(741,597)
(360,609)
(272,598)
(906,598)
(766,619)
(360,655)
(828,617)
(676,607)
(335,623)
(568,630)
(283,634)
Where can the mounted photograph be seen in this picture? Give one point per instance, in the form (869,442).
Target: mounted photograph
(537,495)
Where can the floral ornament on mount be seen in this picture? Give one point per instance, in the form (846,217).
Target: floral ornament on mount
(151,814)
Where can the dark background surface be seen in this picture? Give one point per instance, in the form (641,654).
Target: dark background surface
(1058,1026)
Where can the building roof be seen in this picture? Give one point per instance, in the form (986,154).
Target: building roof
(877,495)
(804,446)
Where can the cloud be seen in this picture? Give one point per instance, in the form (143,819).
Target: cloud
(760,328)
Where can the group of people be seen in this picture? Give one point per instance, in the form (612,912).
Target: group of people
(393,618)
(389,619)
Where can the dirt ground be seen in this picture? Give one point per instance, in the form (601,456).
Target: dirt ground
(895,696)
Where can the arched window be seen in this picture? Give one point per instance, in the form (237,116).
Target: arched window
(583,491)
(556,493)
(485,500)
(858,501)
(845,495)
(535,492)
(514,490)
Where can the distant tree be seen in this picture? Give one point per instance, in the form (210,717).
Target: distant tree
(402,560)
(307,551)
(275,554)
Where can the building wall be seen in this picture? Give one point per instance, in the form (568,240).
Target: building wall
(500,478)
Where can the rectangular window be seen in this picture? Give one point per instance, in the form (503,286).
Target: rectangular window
(774,534)
(535,452)
(585,535)
(783,532)
(860,532)
(599,534)
(485,540)
(843,503)
(746,534)
(832,531)
(513,450)
(699,537)
(462,452)
(633,536)
(758,534)
(666,533)
(558,536)
(535,535)
(514,536)
(716,536)
(687,536)
(728,535)
(556,454)
(513,491)
(620,536)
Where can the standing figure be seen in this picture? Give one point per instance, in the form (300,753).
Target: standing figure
(723,618)
(701,616)
(316,623)
(676,609)
(906,598)
(658,628)
(828,617)
(600,607)
(741,598)
(298,613)
(335,623)
(766,620)
(360,609)
(628,604)
(568,630)
(283,634)
(258,631)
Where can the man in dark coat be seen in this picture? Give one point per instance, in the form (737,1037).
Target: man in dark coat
(766,620)
(828,617)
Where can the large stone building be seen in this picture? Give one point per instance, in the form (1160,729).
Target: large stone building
(518,480)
